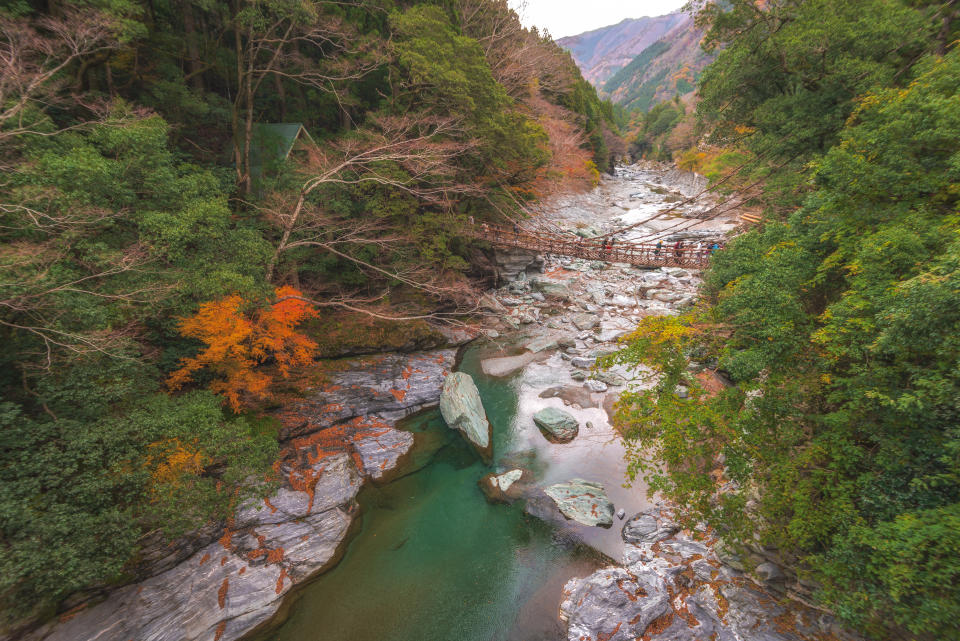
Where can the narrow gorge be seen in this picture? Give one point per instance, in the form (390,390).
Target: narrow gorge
(390,524)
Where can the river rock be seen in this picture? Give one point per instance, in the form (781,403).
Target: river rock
(583,501)
(584,322)
(610,378)
(613,604)
(705,598)
(647,528)
(511,262)
(664,295)
(770,574)
(583,362)
(542,343)
(596,386)
(491,304)
(503,488)
(381,452)
(462,410)
(507,365)
(552,288)
(558,426)
(388,387)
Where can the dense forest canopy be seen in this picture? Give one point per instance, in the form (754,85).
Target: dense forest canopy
(158,257)
(836,322)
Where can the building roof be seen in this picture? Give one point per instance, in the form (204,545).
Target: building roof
(271,143)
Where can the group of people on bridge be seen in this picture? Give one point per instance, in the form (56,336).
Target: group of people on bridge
(679,249)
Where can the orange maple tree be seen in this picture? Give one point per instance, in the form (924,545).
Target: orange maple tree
(238,341)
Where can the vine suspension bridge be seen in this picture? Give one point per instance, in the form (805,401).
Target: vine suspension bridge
(636,254)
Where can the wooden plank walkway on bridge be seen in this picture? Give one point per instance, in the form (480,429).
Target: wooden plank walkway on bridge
(637,254)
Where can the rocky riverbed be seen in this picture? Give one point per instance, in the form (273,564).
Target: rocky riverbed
(556,317)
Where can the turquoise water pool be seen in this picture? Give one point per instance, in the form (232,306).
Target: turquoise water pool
(433,561)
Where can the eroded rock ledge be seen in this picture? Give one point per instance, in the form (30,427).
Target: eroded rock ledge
(673,587)
(336,436)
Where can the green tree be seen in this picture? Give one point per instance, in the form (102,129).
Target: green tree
(838,329)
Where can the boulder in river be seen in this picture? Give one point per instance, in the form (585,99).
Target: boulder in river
(504,488)
(583,361)
(462,409)
(596,386)
(585,502)
(648,528)
(558,426)
(613,604)
(542,343)
(584,321)
(552,288)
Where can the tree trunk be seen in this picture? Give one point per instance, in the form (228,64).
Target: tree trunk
(949,15)
(194,63)
(281,96)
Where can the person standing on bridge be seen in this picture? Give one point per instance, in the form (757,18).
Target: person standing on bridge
(656,252)
(678,249)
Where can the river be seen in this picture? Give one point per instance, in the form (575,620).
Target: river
(432,559)
(435,561)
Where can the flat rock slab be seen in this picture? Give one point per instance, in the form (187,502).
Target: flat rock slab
(507,365)
(552,288)
(647,528)
(583,501)
(542,343)
(558,426)
(583,362)
(579,396)
(380,453)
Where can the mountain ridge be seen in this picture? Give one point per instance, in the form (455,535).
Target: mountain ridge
(641,61)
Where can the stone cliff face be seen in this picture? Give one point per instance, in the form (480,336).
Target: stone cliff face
(336,436)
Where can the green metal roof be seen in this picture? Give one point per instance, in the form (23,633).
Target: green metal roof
(271,143)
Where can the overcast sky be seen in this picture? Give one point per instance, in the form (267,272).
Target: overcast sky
(570,17)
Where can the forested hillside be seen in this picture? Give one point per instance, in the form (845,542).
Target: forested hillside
(835,323)
(667,68)
(603,52)
(166,258)
(639,63)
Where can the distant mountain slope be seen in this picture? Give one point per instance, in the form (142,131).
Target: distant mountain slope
(603,52)
(666,66)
